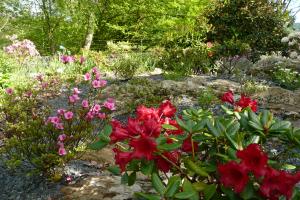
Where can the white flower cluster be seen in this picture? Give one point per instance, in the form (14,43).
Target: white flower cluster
(293,42)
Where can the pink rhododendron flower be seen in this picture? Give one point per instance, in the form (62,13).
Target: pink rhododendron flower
(68,115)
(76,91)
(62,151)
(73,98)
(95,70)
(109,104)
(103,83)
(85,103)
(9,91)
(59,126)
(28,94)
(87,77)
(60,144)
(96,108)
(97,76)
(62,137)
(89,116)
(67,59)
(53,120)
(61,111)
(45,85)
(101,115)
(96,84)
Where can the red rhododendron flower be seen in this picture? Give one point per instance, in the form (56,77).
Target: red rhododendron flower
(228,97)
(119,133)
(187,145)
(167,109)
(134,126)
(144,147)
(278,183)
(234,175)
(122,158)
(245,102)
(152,127)
(164,165)
(144,113)
(254,159)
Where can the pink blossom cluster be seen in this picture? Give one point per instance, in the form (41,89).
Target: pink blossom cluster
(61,138)
(66,59)
(95,78)
(22,48)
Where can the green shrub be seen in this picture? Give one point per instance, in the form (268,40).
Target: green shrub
(208,98)
(287,78)
(186,61)
(126,66)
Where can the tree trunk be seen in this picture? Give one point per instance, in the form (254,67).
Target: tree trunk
(90,32)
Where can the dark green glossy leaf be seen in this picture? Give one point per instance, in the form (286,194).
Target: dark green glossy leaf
(280,126)
(182,125)
(212,129)
(173,186)
(195,168)
(233,129)
(184,195)
(98,145)
(115,170)
(209,191)
(124,179)
(147,196)
(169,147)
(147,167)
(131,178)
(158,184)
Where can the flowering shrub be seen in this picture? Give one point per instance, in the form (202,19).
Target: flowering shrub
(207,156)
(47,136)
(21,49)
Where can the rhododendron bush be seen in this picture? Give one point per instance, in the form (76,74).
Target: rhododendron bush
(198,155)
(45,134)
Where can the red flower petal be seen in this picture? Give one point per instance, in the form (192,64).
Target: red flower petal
(233,175)
(163,164)
(228,97)
(122,158)
(144,113)
(152,127)
(119,133)
(278,183)
(167,109)
(187,145)
(254,159)
(144,147)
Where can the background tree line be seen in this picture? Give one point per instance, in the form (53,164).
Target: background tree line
(77,24)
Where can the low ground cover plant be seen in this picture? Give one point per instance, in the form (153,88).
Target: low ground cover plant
(198,155)
(46,135)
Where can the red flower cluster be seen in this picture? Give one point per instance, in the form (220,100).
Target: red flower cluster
(243,102)
(274,183)
(141,132)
